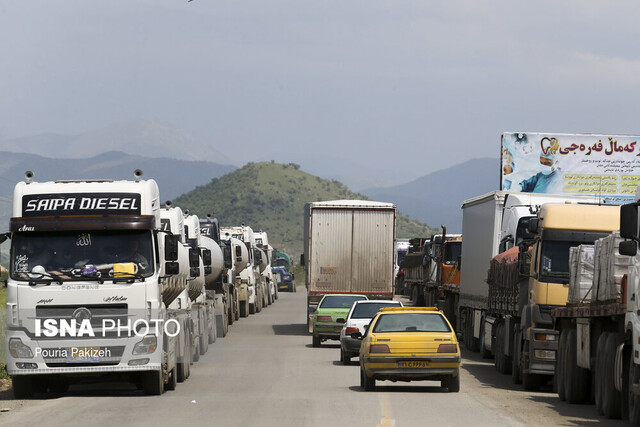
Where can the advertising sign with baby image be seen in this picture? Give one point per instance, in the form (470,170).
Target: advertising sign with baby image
(573,164)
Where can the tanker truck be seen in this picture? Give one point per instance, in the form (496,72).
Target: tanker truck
(202,308)
(245,280)
(262,242)
(88,285)
(219,288)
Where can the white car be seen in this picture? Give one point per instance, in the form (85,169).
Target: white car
(358,318)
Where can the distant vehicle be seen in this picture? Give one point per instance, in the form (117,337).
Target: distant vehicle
(358,318)
(330,316)
(349,249)
(284,279)
(409,344)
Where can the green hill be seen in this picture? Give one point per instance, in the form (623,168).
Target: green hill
(271,196)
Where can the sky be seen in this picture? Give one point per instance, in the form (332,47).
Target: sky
(395,89)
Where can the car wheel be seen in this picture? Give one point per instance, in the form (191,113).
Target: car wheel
(316,340)
(369,384)
(344,357)
(451,383)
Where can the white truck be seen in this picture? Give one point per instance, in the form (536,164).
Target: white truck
(203,315)
(348,248)
(220,287)
(88,275)
(242,242)
(262,242)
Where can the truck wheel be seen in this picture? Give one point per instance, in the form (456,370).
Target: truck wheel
(243,310)
(502,361)
(599,366)
(204,344)
(316,341)
(173,379)
(252,308)
(230,314)
(610,396)
(451,383)
(576,380)
(531,382)
(22,387)
(369,384)
(516,373)
(153,383)
(560,365)
(484,353)
(632,399)
(181,372)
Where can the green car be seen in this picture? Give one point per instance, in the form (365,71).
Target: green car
(330,316)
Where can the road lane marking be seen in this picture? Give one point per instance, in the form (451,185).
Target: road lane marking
(385,404)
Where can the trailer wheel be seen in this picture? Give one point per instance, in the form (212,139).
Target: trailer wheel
(598,382)
(611,396)
(632,399)
(561,365)
(576,379)
(22,386)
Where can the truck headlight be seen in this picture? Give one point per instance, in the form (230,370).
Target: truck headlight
(19,350)
(545,354)
(146,346)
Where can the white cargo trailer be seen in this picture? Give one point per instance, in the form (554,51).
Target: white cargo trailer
(349,248)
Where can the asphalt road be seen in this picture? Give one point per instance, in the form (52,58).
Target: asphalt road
(266,373)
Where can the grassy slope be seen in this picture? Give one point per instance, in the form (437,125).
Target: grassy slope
(271,197)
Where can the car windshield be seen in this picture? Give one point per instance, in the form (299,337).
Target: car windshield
(340,301)
(368,310)
(81,255)
(411,322)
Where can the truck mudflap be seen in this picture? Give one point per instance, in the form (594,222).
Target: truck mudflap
(543,349)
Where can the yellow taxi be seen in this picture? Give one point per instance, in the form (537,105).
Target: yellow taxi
(409,344)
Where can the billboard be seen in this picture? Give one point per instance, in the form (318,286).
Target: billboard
(573,164)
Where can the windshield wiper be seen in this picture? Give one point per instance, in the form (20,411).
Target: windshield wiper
(51,277)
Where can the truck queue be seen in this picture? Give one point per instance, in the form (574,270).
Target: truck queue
(104,280)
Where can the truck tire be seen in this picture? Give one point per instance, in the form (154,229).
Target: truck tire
(252,308)
(204,343)
(633,401)
(315,341)
(502,361)
(516,372)
(560,365)
(610,396)
(173,379)
(451,383)
(22,386)
(576,379)
(153,383)
(230,314)
(243,310)
(599,366)
(484,353)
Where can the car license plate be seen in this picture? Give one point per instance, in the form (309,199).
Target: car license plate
(83,354)
(413,364)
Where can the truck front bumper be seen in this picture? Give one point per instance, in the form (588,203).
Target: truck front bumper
(543,350)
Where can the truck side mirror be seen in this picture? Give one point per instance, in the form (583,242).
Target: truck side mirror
(628,247)
(194,258)
(171,242)
(629,221)
(206,260)
(532,227)
(238,254)
(171,268)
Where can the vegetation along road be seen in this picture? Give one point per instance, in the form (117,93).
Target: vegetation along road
(266,373)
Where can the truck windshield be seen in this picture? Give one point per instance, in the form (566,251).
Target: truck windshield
(81,255)
(452,250)
(554,261)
